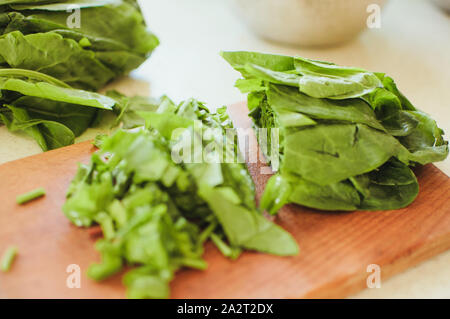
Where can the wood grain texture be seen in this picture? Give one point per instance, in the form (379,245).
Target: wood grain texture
(336,247)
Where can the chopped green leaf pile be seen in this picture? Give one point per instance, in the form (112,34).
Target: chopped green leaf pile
(156,212)
(347,136)
(50,52)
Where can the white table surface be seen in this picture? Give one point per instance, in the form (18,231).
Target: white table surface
(413,46)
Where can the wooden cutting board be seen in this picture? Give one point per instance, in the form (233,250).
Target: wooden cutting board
(336,248)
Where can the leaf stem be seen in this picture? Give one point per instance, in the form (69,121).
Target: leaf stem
(27,197)
(33,75)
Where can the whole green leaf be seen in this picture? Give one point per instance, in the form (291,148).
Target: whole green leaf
(77,118)
(314,78)
(277,77)
(327,154)
(51,54)
(55,93)
(16,118)
(49,134)
(333,196)
(392,186)
(425,141)
(240,59)
(327,80)
(353,111)
(46,109)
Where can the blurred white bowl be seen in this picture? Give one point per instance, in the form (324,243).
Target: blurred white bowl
(305,22)
(444,4)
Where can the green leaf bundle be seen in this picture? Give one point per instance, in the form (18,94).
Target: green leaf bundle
(109,38)
(155,212)
(45,62)
(348,137)
(47,109)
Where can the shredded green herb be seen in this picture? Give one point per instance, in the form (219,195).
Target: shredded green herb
(156,213)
